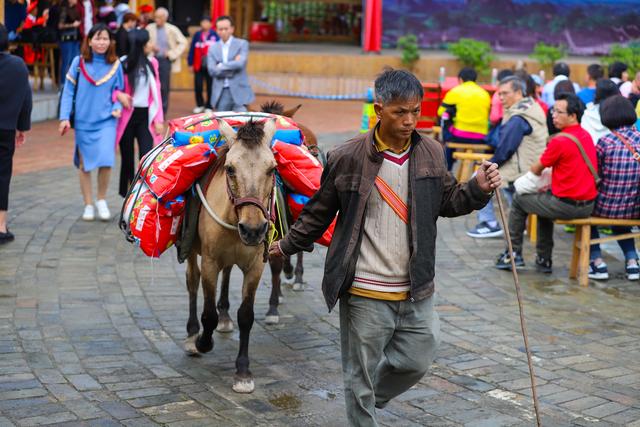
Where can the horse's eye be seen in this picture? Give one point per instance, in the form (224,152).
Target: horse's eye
(231,171)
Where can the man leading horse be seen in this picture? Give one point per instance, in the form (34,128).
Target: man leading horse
(388,187)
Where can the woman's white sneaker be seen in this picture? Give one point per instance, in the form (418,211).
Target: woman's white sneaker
(103,210)
(89,213)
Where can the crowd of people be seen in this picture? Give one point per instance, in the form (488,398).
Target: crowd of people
(564,152)
(115,69)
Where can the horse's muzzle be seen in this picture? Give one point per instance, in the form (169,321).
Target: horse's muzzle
(253,236)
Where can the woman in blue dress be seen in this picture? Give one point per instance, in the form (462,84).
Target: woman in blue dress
(90,91)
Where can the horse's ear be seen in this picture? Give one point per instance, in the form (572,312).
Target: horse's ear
(292,111)
(227,132)
(269,130)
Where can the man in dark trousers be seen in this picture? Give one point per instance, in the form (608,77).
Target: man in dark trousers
(388,187)
(15,120)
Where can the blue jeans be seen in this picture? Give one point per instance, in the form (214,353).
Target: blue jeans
(68,51)
(487,213)
(627,245)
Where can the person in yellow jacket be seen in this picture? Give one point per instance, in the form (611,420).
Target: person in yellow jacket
(466,109)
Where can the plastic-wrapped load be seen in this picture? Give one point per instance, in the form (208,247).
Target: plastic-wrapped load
(153,226)
(299,169)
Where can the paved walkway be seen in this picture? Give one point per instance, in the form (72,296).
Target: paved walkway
(91,332)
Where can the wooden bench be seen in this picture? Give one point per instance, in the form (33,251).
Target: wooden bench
(45,64)
(579,267)
(470,155)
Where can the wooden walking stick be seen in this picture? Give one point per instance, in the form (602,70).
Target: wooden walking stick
(523,324)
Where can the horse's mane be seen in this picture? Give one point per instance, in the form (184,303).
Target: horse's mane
(250,135)
(273,107)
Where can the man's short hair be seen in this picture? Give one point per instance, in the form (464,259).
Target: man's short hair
(574,104)
(128,17)
(504,73)
(561,69)
(397,85)
(617,68)
(163,11)
(595,72)
(605,88)
(4,38)
(617,111)
(205,18)
(515,83)
(225,18)
(468,74)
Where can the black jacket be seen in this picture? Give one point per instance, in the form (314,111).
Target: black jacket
(346,184)
(15,94)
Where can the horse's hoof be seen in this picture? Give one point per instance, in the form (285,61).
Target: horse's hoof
(298,287)
(244,385)
(272,319)
(288,276)
(189,345)
(225,326)
(204,347)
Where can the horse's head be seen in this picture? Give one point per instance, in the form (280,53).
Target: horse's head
(250,168)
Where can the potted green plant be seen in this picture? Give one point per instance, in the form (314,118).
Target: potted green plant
(547,54)
(473,53)
(409,50)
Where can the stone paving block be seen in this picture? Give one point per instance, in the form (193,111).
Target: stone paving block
(5,422)
(140,422)
(84,409)
(63,392)
(21,394)
(584,403)
(563,396)
(119,410)
(59,417)
(605,410)
(84,382)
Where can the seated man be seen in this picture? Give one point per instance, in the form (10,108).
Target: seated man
(522,139)
(469,105)
(573,185)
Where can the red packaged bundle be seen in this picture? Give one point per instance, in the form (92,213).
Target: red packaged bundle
(175,169)
(299,170)
(155,226)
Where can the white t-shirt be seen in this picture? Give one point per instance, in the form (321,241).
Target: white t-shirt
(225,56)
(141,91)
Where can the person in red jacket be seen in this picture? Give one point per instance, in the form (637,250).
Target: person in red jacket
(197,61)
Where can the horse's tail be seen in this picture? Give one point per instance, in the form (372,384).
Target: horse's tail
(273,107)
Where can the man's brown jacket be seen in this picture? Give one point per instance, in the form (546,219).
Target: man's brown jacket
(347,182)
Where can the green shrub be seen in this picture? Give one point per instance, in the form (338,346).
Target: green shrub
(630,55)
(547,54)
(410,53)
(473,53)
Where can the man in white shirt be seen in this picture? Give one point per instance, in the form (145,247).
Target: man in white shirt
(561,71)
(227,64)
(619,74)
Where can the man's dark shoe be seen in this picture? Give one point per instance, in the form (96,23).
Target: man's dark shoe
(504,261)
(543,265)
(6,237)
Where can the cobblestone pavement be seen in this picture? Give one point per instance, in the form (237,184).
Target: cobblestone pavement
(91,333)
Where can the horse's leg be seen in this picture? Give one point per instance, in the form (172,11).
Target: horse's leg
(209,318)
(243,380)
(193,282)
(298,282)
(287,268)
(272,316)
(225,324)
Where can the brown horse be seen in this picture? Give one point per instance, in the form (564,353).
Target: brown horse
(232,229)
(278,265)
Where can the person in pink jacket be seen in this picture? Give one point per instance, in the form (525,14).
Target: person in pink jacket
(142,116)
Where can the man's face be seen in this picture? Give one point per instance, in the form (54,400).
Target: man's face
(625,76)
(399,118)
(205,24)
(508,96)
(561,119)
(224,29)
(160,18)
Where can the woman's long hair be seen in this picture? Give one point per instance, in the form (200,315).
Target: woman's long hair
(137,60)
(87,52)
